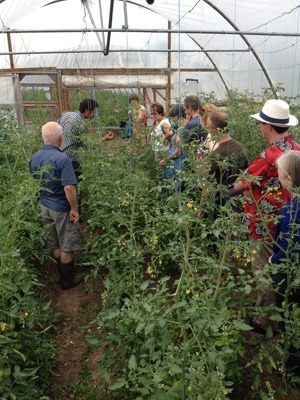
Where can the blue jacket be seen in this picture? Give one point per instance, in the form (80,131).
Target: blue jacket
(287,239)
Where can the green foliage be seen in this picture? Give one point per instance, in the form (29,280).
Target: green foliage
(177,286)
(243,128)
(34,95)
(162,338)
(113,106)
(167,344)
(26,351)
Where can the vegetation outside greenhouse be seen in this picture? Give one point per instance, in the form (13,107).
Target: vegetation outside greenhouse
(177,287)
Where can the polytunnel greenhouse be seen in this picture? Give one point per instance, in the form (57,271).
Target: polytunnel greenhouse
(168,45)
(149,200)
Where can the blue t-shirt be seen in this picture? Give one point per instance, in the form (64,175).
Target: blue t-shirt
(59,174)
(193,130)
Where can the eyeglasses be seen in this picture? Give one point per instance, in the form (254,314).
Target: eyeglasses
(260,122)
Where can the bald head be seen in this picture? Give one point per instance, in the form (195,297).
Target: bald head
(52,133)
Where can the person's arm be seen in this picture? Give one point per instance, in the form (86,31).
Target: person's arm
(258,168)
(175,154)
(142,113)
(109,136)
(71,195)
(167,131)
(169,158)
(209,142)
(238,186)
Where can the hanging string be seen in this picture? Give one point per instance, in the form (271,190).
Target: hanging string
(89,74)
(89,92)
(233,53)
(132,139)
(183,266)
(294,77)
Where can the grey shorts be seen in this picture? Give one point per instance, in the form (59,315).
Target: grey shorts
(62,234)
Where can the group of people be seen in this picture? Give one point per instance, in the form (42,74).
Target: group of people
(270,185)
(58,166)
(192,129)
(271,216)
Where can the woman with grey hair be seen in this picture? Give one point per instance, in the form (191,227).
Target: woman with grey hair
(286,251)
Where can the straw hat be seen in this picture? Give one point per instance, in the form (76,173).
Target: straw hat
(277,113)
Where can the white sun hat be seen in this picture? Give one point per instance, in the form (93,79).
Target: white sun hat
(276,112)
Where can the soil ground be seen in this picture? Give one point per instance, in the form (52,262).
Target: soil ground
(75,308)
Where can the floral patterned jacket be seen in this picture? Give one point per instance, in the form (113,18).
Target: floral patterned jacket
(267,194)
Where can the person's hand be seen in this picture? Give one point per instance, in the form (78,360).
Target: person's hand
(109,136)
(161,163)
(248,194)
(74,215)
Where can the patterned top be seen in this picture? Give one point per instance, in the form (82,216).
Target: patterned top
(157,136)
(269,195)
(73,128)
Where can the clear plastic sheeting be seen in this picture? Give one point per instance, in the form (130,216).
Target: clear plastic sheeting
(113,82)
(7,90)
(246,45)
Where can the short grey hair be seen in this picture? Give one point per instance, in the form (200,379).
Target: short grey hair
(51,132)
(288,164)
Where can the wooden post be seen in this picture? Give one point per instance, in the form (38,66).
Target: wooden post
(59,89)
(11,57)
(19,109)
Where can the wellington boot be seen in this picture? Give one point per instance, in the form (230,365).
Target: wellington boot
(57,263)
(68,279)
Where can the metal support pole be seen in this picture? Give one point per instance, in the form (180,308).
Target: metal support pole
(111,12)
(168,91)
(125,26)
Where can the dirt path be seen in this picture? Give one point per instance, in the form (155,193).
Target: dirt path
(76,308)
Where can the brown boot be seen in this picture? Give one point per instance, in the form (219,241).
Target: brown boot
(68,279)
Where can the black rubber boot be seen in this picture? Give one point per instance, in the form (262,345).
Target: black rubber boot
(68,279)
(57,263)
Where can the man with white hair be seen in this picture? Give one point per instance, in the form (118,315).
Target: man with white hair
(58,198)
(264,195)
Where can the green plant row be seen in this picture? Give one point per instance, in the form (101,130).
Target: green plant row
(177,286)
(27,352)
